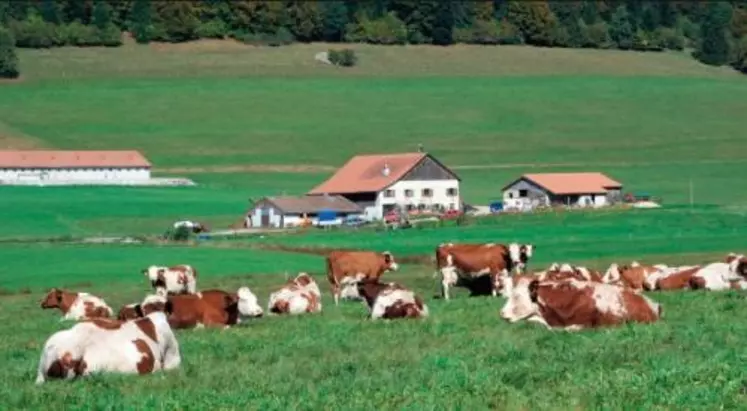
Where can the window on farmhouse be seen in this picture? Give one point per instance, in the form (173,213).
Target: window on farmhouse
(408,193)
(389,193)
(451,192)
(427,192)
(523,193)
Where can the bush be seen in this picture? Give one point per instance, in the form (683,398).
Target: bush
(280,38)
(509,34)
(386,30)
(740,55)
(34,32)
(213,29)
(344,58)
(80,35)
(111,36)
(481,32)
(8,57)
(669,38)
(597,36)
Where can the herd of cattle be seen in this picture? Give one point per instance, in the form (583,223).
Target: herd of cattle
(141,340)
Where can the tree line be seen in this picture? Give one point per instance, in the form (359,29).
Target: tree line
(716,31)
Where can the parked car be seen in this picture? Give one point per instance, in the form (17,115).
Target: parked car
(354,221)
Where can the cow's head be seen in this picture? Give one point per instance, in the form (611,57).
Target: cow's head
(520,255)
(248,303)
(389,262)
(521,300)
(738,266)
(730,257)
(349,287)
(153,303)
(155,274)
(53,299)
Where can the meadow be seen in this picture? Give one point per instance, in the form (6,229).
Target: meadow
(246,122)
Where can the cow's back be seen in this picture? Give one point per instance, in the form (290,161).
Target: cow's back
(676,281)
(478,257)
(350,263)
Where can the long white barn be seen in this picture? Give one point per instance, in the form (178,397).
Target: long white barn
(96,167)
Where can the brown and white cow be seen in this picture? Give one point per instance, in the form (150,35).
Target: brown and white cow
(179,279)
(720,276)
(209,308)
(677,279)
(632,276)
(573,305)
(391,300)
(299,295)
(565,271)
(369,264)
(76,306)
(464,264)
(141,346)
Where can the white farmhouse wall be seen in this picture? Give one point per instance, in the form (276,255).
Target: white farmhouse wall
(75,174)
(438,189)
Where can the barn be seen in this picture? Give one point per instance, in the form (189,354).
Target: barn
(382,182)
(589,189)
(39,166)
(290,211)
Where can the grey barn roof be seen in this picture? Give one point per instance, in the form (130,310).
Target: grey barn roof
(312,204)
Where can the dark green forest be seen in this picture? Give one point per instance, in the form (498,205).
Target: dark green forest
(715,32)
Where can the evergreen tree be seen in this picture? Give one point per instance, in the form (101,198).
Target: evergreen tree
(667,13)
(51,12)
(621,31)
(651,17)
(76,10)
(335,18)
(8,58)
(141,25)
(102,15)
(443,27)
(590,12)
(714,46)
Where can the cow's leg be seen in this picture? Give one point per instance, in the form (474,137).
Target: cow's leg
(448,279)
(192,287)
(496,280)
(336,293)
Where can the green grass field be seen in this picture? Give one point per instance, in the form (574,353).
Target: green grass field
(245,122)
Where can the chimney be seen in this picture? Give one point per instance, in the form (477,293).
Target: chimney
(385,171)
(420,148)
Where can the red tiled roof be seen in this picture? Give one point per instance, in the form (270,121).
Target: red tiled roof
(572,183)
(366,173)
(71,159)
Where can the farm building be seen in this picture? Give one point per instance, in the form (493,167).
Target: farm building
(288,211)
(571,189)
(408,181)
(38,166)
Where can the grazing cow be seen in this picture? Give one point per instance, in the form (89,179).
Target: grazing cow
(719,276)
(632,276)
(299,295)
(463,264)
(573,305)
(342,264)
(391,300)
(209,308)
(179,279)
(141,346)
(76,306)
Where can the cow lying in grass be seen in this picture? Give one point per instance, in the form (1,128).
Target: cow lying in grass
(209,308)
(142,346)
(298,296)
(574,305)
(76,306)
(390,300)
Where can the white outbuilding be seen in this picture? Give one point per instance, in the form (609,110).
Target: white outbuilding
(95,167)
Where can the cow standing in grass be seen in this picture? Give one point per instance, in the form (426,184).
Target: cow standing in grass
(352,264)
(179,279)
(464,264)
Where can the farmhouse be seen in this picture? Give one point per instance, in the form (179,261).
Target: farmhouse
(72,166)
(408,181)
(571,189)
(288,211)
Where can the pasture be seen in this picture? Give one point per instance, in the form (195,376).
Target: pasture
(244,122)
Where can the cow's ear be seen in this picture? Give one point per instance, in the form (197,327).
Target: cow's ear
(161,271)
(387,257)
(139,310)
(231,299)
(533,286)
